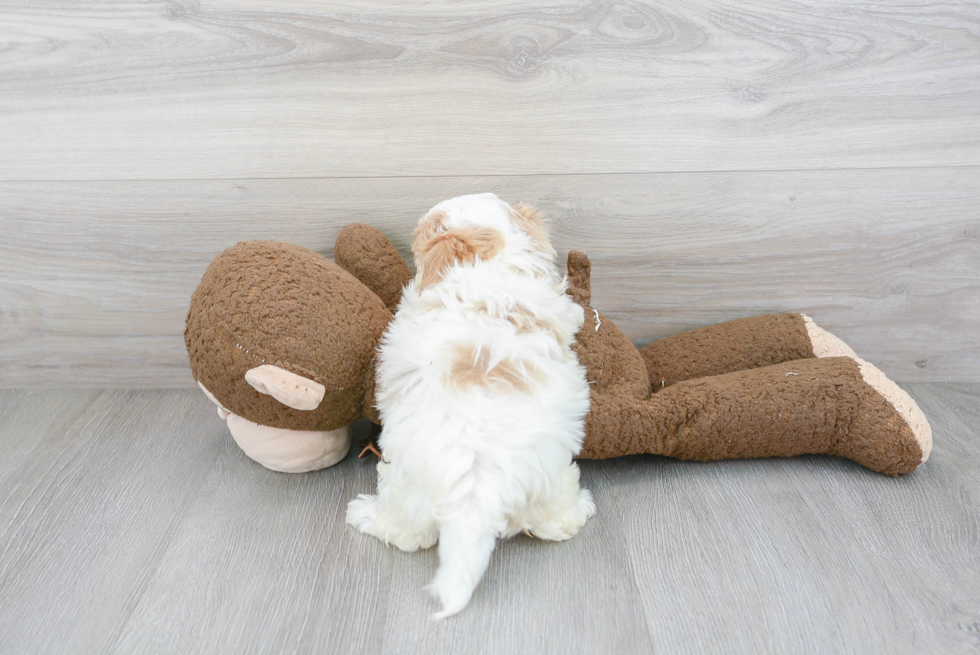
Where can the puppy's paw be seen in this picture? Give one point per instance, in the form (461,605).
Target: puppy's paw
(412,540)
(366,514)
(586,505)
(362,512)
(568,520)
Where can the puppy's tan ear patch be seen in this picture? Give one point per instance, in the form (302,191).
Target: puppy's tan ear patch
(427,228)
(462,245)
(529,219)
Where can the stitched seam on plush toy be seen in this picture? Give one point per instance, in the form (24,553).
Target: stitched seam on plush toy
(281,363)
(220,335)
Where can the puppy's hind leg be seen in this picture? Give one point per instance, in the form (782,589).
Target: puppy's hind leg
(395,517)
(371,515)
(562,515)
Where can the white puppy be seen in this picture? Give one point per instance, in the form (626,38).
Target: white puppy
(482,398)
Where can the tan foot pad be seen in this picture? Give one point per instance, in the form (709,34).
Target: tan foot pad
(823,343)
(903,403)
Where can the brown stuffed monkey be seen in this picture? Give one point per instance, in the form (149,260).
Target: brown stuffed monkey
(283,340)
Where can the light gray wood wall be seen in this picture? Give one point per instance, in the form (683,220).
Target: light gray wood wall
(716,159)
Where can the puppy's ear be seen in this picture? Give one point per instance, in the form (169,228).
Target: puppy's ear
(530,220)
(462,245)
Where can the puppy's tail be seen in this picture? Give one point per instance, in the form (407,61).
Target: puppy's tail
(464,554)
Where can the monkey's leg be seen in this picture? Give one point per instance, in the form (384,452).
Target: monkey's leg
(833,406)
(737,345)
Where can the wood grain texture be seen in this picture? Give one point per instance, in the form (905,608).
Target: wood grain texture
(577,596)
(262,88)
(93,486)
(129,522)
(97,276)
(811,555)
(263,562)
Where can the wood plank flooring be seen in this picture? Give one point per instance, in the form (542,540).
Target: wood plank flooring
(130,522)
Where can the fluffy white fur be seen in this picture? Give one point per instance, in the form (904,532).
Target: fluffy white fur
(469,458)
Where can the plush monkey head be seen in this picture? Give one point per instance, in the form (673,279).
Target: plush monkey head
(283,341)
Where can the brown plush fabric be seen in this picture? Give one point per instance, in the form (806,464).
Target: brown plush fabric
(727,347)
(611,360)
(369,256)
(801,405)
(370,404)
(818,406)
(580,278)
(264,302)
(747,388)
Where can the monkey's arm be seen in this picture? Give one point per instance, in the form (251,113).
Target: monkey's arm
(369,256)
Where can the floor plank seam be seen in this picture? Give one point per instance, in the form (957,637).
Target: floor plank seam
(719,171)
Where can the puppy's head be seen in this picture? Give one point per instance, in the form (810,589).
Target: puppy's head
(482,227)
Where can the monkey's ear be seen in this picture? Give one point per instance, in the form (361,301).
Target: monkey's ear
(288,388)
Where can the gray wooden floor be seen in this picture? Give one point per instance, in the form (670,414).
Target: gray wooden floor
(130,522)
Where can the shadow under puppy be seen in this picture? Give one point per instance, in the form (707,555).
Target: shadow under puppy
(481,395)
